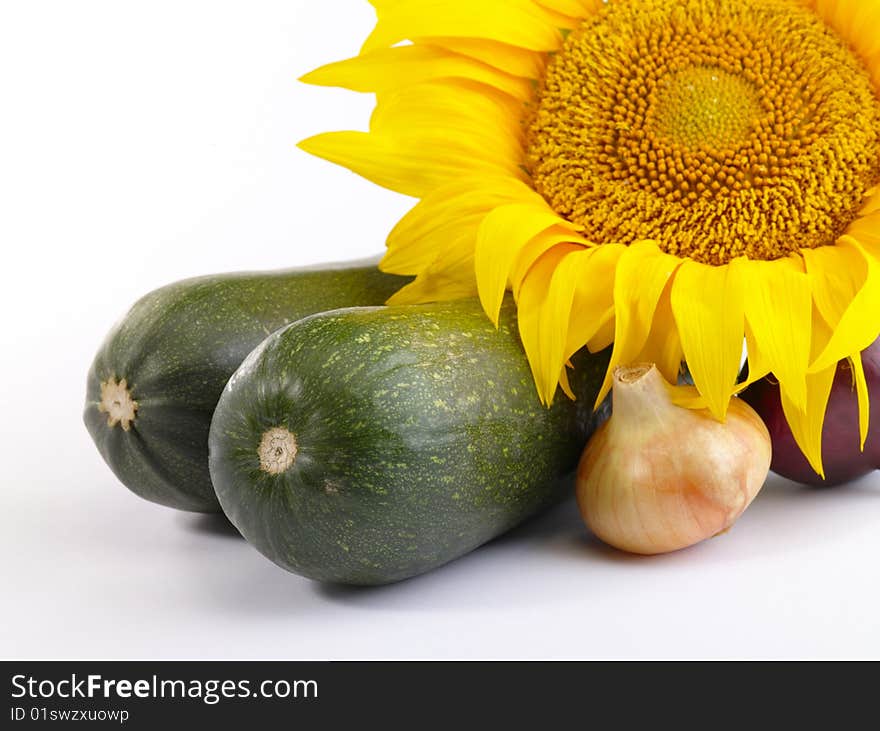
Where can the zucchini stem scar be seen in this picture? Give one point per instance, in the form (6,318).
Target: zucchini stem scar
(117,403)
(277,451)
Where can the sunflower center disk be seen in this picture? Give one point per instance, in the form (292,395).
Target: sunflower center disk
(718,128)
(705,107)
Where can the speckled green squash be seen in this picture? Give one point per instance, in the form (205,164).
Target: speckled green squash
(368,445)
(155,381)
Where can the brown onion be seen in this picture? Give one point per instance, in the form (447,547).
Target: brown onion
(657,477)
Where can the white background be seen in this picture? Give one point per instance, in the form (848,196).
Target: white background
(145,142)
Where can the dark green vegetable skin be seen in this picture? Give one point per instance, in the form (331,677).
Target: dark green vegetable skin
(176,349)
(419,436)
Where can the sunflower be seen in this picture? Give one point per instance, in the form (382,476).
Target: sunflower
(676,177)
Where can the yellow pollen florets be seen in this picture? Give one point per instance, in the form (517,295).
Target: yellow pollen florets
(702,106)
(718,128)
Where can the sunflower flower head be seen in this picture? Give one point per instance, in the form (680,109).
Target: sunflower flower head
(673,177)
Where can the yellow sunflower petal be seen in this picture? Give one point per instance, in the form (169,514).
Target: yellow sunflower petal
(436,286)
(408,152)
(532,298)
(448,276)
(866,231)
(591,321)
(386,69)
(836,274)
(758,365)
(558,18)
(565,385)
(779,311)
(707,302)
(642,274)
(414,256)
(480,125)
(457,255)
(663,345)
(604,336)
(447,212)
(382,161)
(451,273)
(510,59)
(858,371)
(534,249)
(806,423)
(515,22)
(556,313)
(872,202)
(859,325)
(687,397)
(856,21)
(572,8)
(577,306)
(501,237)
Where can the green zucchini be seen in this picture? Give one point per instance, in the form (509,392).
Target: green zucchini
(369,445)
(154,383)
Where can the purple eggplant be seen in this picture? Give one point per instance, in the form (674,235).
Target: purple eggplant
(842,458)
